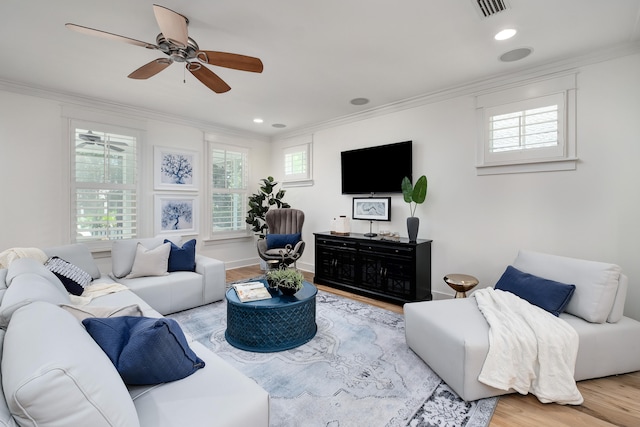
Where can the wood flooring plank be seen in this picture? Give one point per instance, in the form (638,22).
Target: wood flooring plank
(610,401)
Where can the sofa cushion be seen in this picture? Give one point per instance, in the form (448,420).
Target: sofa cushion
(6,419)
(547,294)
(150,262)
(27,288)
(182,258)
(72,277)
(617,310)
(31,266)
(144,350)
(596,282)
(123,252)
(77,254)
(282,240)
(64,378)
(84,312)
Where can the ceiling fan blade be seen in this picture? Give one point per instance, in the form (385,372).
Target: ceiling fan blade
(111,36)
(150,69)
(111,147)
(230,60)
(208,77)
(172,24)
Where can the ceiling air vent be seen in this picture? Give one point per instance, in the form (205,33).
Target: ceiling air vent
(491,7)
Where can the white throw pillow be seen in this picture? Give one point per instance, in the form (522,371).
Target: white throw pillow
(596,282)
(150,262)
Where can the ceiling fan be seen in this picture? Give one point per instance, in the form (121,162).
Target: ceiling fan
(90,138)
(174,41)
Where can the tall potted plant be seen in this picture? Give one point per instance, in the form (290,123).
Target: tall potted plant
(261,202)
(414,195)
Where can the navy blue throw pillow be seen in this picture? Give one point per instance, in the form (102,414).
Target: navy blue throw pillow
(182,258)
(547,294)
(281,240)
(144,350)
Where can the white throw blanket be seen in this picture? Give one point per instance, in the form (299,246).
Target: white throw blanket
(10,255)
(96,289)
(530,350)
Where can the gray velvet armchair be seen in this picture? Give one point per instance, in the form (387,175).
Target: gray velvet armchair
(284,239)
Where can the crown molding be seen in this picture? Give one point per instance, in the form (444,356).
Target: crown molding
(502,80)
(123,109)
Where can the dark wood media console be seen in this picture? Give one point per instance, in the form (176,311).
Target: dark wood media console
(393,271)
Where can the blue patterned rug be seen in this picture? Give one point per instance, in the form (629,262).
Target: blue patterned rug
(357,371)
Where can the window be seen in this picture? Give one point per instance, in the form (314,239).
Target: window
(527,134)
(229,171)
(104,182)
(297,162)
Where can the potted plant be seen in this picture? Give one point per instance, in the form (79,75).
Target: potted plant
(414,195)
(288,280)
(261,202)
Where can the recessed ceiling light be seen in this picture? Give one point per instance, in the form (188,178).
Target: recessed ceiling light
(257,120)
(505,34)
(516,54)
(359,101)
(279,125)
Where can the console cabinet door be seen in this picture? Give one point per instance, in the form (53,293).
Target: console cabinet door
(336,261)
(388,269)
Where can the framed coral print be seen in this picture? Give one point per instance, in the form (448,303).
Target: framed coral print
(175,214)
(174,169)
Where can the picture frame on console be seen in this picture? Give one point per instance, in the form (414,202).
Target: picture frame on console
(372,208)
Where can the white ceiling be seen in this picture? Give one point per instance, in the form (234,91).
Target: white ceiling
(317,55)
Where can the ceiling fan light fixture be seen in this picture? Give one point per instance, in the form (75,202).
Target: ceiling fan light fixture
(174,41)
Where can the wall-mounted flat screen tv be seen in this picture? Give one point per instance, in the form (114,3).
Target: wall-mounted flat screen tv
(378,169)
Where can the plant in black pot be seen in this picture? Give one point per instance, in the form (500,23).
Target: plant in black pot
(414,195)
(261,202)
(288,280)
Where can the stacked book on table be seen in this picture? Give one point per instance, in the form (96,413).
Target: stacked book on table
(251,291)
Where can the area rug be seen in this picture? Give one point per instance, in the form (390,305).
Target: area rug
(357,371)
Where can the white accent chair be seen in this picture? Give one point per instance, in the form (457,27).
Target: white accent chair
(452,336)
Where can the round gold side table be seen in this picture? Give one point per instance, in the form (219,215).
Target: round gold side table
(461,283)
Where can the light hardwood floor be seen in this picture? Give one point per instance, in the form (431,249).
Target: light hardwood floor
(610,401)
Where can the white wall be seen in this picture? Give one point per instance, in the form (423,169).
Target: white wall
(478,223)
(34,171)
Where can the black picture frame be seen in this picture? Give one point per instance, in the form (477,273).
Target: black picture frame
(372,208)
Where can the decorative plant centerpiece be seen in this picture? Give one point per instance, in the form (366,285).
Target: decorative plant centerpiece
(414,195)
(288,280)
(261,202)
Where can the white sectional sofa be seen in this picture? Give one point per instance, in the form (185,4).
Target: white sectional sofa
(452,336)
(53,373)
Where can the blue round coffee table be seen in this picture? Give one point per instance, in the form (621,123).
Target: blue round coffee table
(275,324)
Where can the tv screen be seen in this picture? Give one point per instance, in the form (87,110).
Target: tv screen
(377,169)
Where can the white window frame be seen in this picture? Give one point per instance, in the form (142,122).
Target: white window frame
(75,186)
(243,192)
(302,146)
(559,90)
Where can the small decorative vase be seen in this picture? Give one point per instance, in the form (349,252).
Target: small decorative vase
(273,286)
(288,291)
(413,223)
